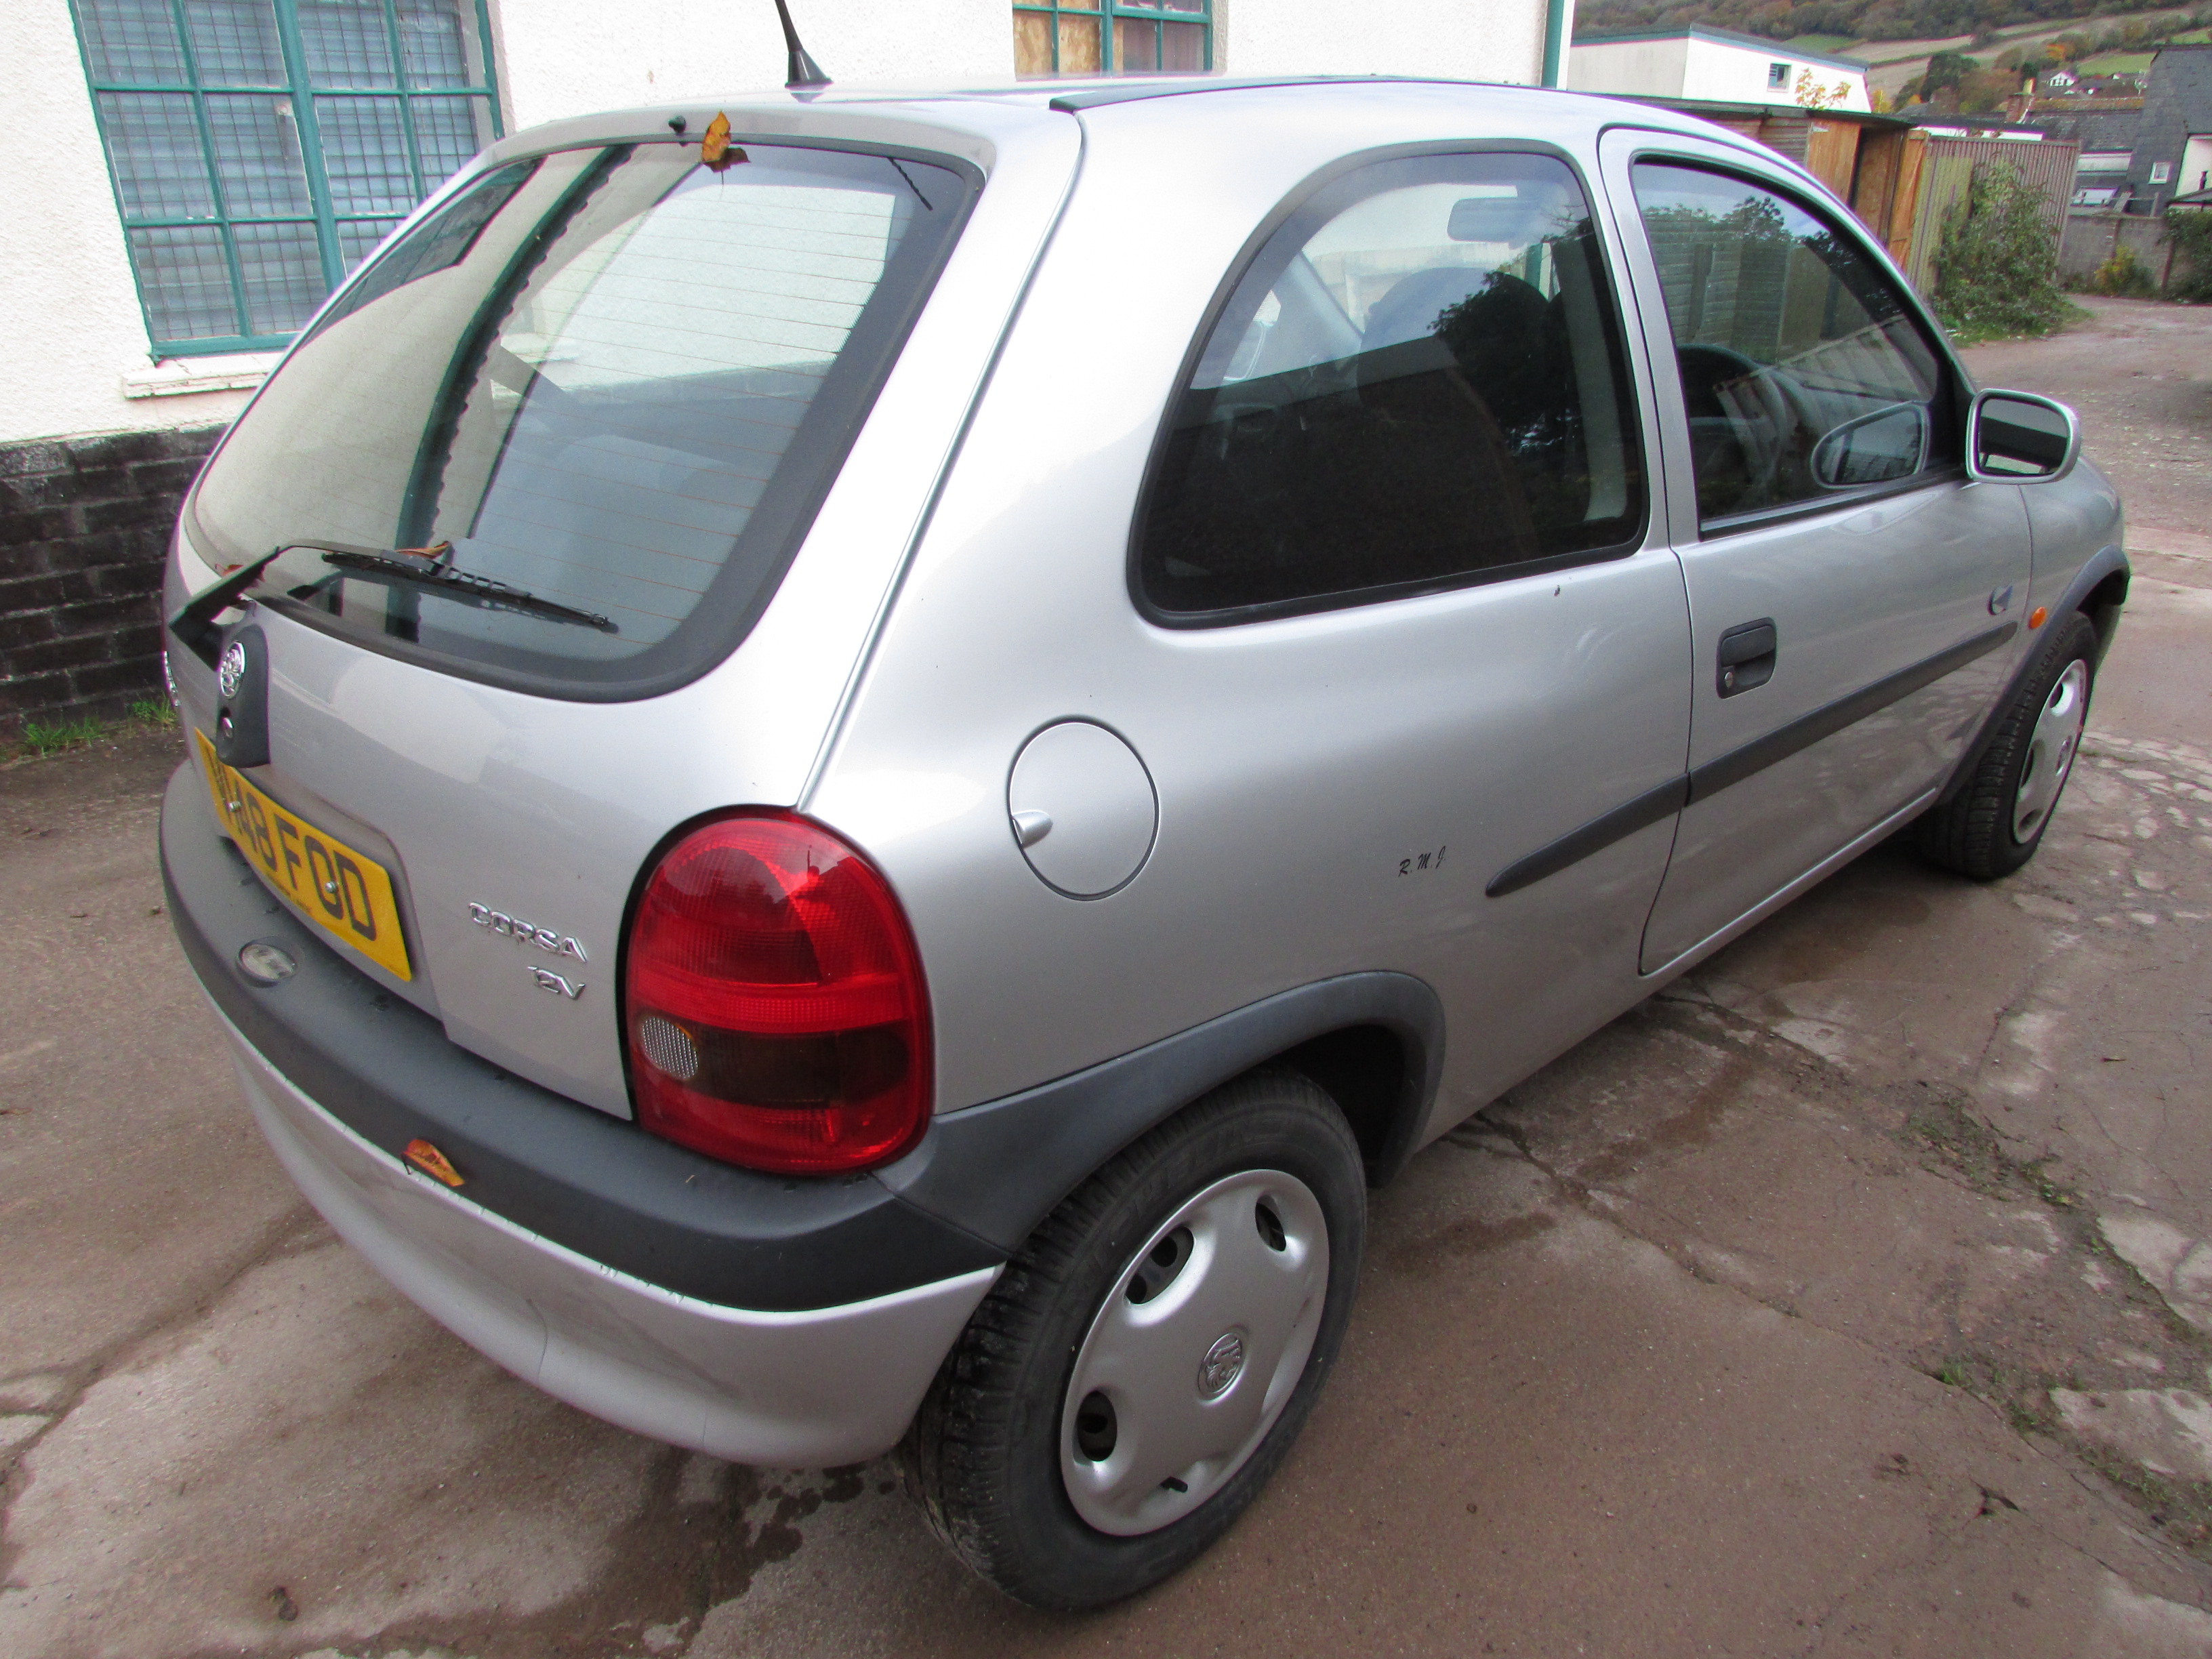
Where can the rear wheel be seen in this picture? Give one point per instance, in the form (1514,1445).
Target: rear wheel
(1144,1363)
(1993,826)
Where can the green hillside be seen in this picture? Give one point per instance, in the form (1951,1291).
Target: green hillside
(1848,22)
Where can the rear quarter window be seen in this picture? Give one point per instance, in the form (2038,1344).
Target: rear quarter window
(568,432)
(1418,384)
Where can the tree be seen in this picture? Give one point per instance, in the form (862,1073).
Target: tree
(1946,70)
(1984,91)
(1996,264)
(1813,95)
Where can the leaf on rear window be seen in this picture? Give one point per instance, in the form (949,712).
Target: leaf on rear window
(715,147)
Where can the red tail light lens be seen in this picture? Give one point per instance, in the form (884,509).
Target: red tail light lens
(775,1005)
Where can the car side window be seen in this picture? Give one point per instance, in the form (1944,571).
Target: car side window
(1419,383)
(1803,371)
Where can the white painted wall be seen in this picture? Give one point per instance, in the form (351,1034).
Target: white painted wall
(1458,39)
(2196,163)
(1727,73)
(72,326)
(1652,69)
(561,58)
(1693,66)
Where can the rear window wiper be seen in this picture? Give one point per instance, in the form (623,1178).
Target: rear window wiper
(438,574)
(194,622)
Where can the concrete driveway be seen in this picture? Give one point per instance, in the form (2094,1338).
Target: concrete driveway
(1852,1298)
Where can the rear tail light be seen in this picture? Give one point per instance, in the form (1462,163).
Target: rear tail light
(775,1004)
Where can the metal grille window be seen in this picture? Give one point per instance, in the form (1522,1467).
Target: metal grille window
(1112,37)
(260,149)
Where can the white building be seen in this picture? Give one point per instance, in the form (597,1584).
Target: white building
(1715,65)
(191,177)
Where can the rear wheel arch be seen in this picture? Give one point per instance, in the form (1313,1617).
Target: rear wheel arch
(1373,1041)
(1377,1075)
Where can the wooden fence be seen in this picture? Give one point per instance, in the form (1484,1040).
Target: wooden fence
(1903,184)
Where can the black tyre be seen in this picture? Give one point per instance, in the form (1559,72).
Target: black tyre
(1145,1362)
(1993,826)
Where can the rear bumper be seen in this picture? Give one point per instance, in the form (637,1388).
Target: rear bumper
(823,1386)
(754,1318)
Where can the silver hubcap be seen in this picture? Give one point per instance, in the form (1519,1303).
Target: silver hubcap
(2051,750)
(1197,1350)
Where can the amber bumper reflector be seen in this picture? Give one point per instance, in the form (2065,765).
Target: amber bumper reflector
(433,1163)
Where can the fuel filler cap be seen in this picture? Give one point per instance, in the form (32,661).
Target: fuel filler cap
(1082,809)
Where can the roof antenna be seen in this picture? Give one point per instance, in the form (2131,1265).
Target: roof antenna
(804,75)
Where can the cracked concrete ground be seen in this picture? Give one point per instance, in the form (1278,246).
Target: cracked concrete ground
(1853,1297)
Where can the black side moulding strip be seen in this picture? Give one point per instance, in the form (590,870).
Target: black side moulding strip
(1732,767)
(1598,834)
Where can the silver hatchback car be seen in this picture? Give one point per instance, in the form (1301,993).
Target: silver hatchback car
(856,763)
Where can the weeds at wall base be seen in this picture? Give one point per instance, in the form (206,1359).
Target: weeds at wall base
(40,740)
(2189,231)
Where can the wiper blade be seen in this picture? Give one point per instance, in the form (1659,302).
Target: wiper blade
(194,622)
(484,592)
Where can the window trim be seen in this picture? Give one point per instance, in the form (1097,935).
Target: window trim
(713,644)
(1109,13)
(1296,199)
(300,93)
(1958,384)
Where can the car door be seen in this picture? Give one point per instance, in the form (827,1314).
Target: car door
(1408,474)
(1854,597)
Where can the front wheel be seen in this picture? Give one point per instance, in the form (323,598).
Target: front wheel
(1993,826)
(1145,1362)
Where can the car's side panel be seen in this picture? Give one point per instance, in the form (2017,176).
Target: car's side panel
(2073,521)
(1300,764)
(1862,609)
(1897,620)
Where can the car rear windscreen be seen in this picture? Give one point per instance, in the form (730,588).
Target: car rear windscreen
(566,432)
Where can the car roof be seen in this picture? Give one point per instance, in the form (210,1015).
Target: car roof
(987,115)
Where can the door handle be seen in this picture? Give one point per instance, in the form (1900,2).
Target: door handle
(1745,658)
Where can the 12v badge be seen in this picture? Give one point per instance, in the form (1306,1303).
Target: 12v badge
(551,941)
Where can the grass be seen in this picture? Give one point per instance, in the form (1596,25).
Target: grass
(43,739)
(2115,63)
(2075,316)
(1950,1135)
(1821,42)
(2022,1395)
(2182,1509)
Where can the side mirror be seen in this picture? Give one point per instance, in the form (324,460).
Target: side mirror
(1890,443)
(2016,437)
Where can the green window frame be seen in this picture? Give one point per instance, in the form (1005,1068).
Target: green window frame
(1055,38)
(260,149)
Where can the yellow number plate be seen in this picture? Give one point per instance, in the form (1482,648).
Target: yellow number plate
(349,894)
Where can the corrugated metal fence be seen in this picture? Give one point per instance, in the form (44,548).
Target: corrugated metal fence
(1948,171)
